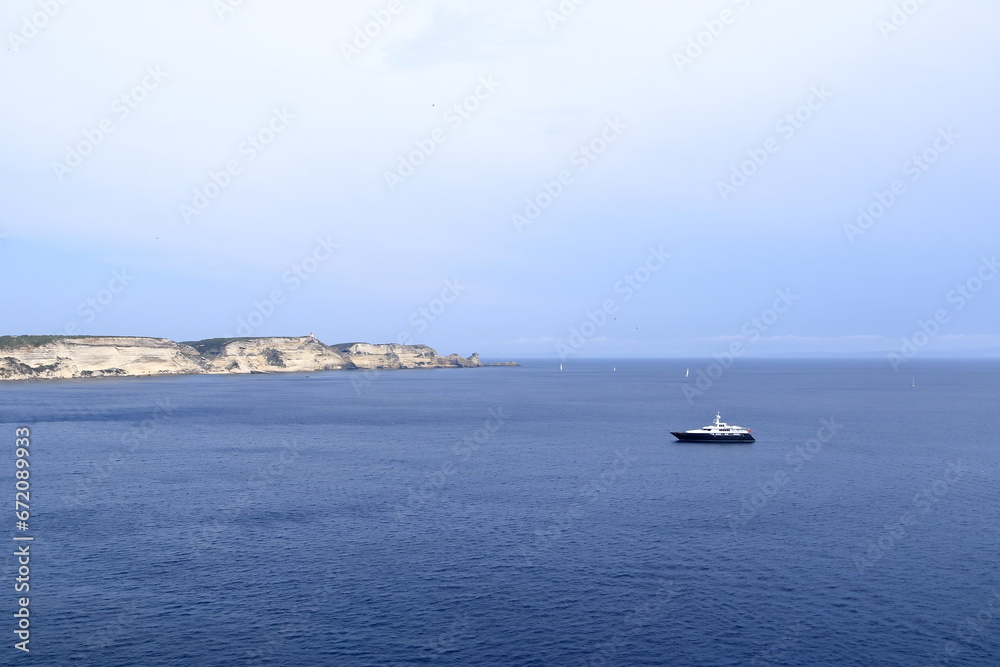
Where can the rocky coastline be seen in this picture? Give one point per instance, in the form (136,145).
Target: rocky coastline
(65,357)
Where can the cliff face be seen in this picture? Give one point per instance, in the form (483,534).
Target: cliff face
(394,355)
(38,357)
(273,355)
(99,356)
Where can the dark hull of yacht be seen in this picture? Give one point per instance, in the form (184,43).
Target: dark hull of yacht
(711,437)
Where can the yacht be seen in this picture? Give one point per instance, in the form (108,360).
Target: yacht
(719,431)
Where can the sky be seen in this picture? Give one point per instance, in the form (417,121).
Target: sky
(522,179)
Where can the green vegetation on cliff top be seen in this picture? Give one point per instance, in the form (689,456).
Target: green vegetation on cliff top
(34,341)
(37,341)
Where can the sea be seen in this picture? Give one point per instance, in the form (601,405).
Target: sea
(510,516)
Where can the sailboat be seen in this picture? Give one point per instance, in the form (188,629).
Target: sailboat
(687,372)
(914,382)
(560,366)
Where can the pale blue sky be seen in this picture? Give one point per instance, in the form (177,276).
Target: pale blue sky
(331,122)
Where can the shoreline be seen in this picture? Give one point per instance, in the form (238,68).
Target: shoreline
(90,357)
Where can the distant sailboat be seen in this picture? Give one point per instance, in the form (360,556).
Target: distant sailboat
(687,372)
(614,368)
(914,382)
(560,366)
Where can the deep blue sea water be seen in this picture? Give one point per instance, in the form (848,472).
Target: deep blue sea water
(513,516)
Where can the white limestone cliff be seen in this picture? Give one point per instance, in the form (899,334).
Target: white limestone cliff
(51,357)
